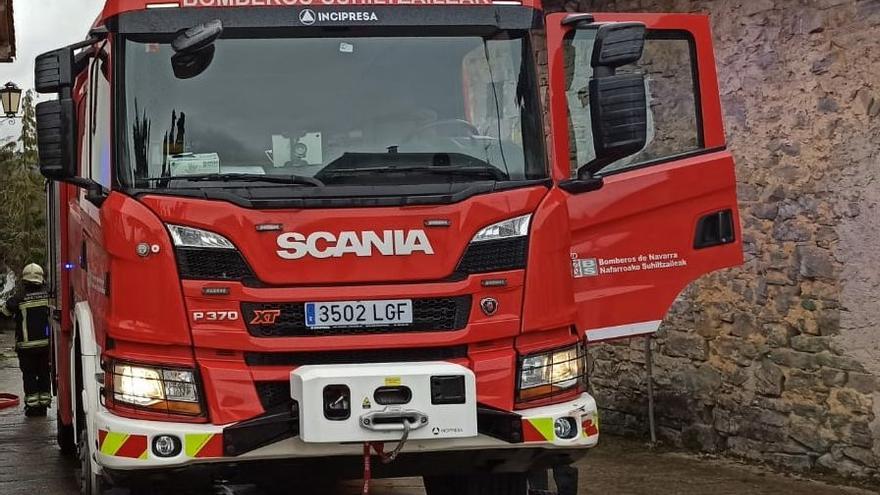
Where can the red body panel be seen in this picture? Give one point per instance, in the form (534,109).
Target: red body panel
(259,248)
(645,214)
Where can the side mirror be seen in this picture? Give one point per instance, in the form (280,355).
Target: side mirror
(618,102)
(54,71)
(56,142)
(618,44)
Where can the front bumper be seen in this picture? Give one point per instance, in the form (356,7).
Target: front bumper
(126,444)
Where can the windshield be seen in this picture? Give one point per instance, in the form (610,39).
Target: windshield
(334,112)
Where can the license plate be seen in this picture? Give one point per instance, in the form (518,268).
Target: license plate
(359,313)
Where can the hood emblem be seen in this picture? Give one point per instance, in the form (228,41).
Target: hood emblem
(489,306)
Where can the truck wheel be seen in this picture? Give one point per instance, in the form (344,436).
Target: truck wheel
(90,483)
(64,437)
(480,484)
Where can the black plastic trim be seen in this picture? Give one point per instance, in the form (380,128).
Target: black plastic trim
(283,472)
(212,264)
(267,429)
(406,355)
(581,186)
(454,314)
(169,21)
(270,198)
(665,159)
(494,256)
(496,423)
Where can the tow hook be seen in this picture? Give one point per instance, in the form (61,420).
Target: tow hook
(393,419)
(390,419)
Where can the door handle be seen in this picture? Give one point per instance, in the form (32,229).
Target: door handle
(715,229)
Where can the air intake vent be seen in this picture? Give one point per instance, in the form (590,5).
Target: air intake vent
(429,315)
(274,394)
(495,256)
(408,355)
(211,264)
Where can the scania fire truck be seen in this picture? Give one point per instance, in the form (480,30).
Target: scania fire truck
(289,236)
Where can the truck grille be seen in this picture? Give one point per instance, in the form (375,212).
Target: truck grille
(429,315)
(494,256)
(211,264)
(407,355)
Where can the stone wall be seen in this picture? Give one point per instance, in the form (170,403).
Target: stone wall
(779,360)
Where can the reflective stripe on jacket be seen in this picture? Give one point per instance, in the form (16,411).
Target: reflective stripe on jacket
(30,309)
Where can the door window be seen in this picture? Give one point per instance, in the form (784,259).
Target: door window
(99,124)
(673,113)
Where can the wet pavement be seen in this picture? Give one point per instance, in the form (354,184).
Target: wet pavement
(31,464)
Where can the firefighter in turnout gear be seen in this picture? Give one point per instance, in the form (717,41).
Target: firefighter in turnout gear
(29,307)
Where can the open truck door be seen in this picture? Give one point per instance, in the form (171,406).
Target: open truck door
(639,149)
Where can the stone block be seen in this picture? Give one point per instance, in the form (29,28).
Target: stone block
(779,335)
(815,262)
(798,463)
(842,466)
(804,381)
(805,343)
(744,325)
(851,400)
(700,437)
(748,448)
(862,382)
(809,434)
(832,377)
(769,379)
(791,230)
(829,360)
(765,211)
(859,433)
(689,345)
(794,359)
(865,457)
(725,421)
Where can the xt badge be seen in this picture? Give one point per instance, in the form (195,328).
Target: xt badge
(265,317)
(489,306)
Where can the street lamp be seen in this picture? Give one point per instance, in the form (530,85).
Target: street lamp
(10,98)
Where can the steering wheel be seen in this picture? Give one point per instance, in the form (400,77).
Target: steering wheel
(452,124)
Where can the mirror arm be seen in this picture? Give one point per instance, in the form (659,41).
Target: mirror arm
(583,185)
(95,193)
(578,19)
(585,172)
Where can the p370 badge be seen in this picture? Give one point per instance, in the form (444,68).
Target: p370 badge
(200,316)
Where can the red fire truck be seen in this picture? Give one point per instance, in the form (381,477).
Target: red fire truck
(286,232)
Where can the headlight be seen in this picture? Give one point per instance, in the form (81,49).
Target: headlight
(515,227)
(549,373)
(167,390)
(198,238)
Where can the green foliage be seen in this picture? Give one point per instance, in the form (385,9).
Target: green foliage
(22,197)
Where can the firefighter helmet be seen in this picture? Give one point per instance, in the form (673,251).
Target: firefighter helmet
(33,273)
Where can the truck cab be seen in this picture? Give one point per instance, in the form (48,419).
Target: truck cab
(286,235)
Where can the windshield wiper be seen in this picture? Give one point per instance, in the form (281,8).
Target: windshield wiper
(275,179)
(487,171)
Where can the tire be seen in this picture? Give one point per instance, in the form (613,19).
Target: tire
(90,483)
(481,484)
(64,437)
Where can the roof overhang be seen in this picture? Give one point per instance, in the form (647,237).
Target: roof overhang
(7,32)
